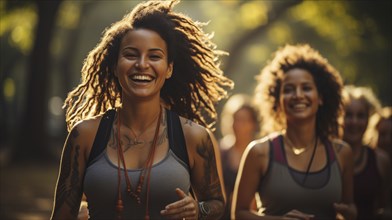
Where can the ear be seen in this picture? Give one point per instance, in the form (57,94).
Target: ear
(169,71)
(320,101)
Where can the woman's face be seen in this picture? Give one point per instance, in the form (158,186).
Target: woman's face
(385,135)
(142,65)
(244,124)
(299,98)
(355,121)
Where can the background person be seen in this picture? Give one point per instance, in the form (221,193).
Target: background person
(240,125)
(300,170)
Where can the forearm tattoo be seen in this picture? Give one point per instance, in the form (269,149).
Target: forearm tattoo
(211,188)
(206,150)
(69,179)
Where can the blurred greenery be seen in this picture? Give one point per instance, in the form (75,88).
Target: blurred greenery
(355,36)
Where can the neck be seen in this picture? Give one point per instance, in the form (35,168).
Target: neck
(301,135)
(241,143)
(138,115)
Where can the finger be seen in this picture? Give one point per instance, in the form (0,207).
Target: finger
(182,215)
(181,193)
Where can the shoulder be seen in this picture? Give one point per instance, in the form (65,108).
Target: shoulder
(84,133)
(341,148)
(258,149)
(193,131)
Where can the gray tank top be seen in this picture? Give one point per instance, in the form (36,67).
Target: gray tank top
(100,187)
(281,192)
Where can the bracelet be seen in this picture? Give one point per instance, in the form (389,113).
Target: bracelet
(204,210)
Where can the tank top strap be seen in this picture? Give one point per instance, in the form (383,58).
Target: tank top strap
(276,148)
(331,157)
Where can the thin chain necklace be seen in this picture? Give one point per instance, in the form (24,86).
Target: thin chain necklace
(136,140)
(136,194)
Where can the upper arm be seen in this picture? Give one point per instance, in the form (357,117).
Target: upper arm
(204,161)
(249,174)
(69,187)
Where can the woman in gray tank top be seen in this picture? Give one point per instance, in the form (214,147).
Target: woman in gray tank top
(300,170)
(152,60)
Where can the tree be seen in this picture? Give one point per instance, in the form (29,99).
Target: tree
(32,141)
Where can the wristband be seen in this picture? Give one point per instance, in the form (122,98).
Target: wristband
(204,210)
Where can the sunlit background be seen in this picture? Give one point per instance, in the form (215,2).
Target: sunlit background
(44,43)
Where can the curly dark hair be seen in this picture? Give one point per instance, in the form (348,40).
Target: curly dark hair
(197,82)
(327,79)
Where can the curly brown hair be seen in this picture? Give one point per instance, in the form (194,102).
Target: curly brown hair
(197,82)
(327,79)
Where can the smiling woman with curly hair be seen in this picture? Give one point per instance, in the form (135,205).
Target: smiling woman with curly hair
(300,169)
(139,122)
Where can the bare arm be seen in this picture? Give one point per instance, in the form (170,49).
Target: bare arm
(206,175)
(69,184)
(249,173)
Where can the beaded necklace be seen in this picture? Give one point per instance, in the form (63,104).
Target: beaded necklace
(135,194)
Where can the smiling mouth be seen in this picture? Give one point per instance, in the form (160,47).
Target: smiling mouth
(298,106)
(141,78)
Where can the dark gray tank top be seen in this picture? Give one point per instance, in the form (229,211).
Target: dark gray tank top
(100,187)
(281,192)
(100,181)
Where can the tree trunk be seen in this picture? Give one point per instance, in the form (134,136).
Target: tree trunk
(32,144)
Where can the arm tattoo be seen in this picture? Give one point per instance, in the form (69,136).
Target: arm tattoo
(211,188)
(339,147)
(69,179)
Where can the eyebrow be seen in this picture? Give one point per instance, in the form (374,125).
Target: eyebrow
(150,50)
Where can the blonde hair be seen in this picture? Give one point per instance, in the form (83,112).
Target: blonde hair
(371,134)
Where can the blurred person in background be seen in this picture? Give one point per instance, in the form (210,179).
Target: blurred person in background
(138,141)
(372,176)
(379,136)
(301,170)
(240,125)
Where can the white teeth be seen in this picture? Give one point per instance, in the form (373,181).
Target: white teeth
(299,106)
(141,77)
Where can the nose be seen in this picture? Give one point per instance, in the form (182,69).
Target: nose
(142,63)
(298,93)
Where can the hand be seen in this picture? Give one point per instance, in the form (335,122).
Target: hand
(185,208)
(343,210)
(295,214)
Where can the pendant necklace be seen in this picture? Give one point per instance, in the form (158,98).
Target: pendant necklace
(296,151)
(136,193)
(136,140)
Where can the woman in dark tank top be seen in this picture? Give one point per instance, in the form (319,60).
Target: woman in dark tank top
(372,174)
(151,61)
(301,170)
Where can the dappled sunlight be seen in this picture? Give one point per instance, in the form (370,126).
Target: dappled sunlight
(253,14)
(9,89)
(20,23)
(69,14)
(280,33)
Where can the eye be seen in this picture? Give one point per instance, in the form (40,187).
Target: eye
(155,57)
(288,89)
(307,88)
(130,55)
